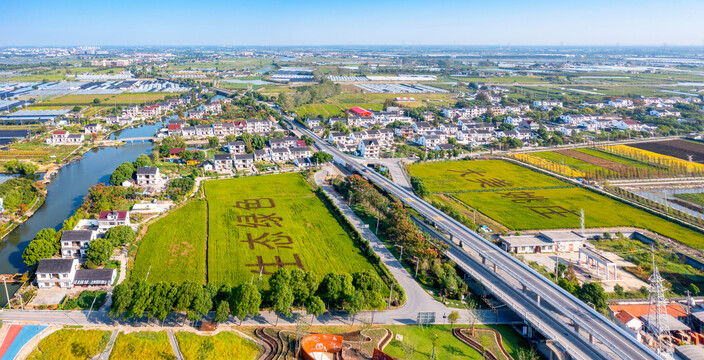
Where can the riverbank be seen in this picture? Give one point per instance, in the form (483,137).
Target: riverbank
(38,202)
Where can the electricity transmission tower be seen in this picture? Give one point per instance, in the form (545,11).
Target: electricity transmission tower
(658,324)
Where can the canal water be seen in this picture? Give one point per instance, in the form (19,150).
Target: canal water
(65,194)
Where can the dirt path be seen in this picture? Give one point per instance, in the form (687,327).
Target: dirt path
(108,349)
(174,345)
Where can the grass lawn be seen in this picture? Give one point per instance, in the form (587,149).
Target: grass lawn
(697,198)
(224,345)
(174,247)
(142,345)
(302,228)
(447,176)
(69,344)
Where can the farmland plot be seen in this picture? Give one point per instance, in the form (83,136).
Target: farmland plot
(525,200)
(260,224)
(174,247)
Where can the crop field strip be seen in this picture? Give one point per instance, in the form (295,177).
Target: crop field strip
(525,200)
(681,149)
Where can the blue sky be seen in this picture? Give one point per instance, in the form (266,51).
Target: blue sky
(351,22)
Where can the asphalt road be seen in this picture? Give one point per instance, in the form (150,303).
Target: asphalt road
(552,319)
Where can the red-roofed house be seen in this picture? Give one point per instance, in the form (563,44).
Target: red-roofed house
(629,320)
(360,112)
(300,143)
(59,136)
(638,310)
(110,219)
(152,110)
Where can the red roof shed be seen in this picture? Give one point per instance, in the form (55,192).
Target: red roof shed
(360,112)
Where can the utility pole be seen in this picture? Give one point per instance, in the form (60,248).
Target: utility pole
(391,293)
(91,308)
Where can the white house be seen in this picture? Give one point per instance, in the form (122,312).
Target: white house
(620,103)
(663,113)
(93,128)
(223,162)
(56,272)
(547,105)
(74,243)
(110,219)
(147,175)
(312,122)
(236,147)
(243,161)
(429,141)
(369,149)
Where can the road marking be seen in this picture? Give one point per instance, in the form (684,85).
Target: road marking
(438,218)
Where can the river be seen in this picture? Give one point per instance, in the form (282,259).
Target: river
(65,194)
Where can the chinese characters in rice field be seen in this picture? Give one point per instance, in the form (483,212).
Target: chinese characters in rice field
(274,239)
(517,197)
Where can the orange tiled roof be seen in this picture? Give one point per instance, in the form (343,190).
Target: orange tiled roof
(638,310)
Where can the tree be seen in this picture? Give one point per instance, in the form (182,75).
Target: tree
(245,300)
(355,304)
(96,101)
(99,251)
(594,293)
(409,349)
(528,354)
(76,109)
(618,289)
(141,298)
(121,299)
(142,161)
(120,235)
(186,294)
(202,303)
(419,186)
(366,282)
(472,313)
(453,318)
(693,289)
(315,307)
(123,173)
(321,157)
(376,303)
(330,288)
(163,297)
(37,250)
(213,142)
(222,312)
(282,301)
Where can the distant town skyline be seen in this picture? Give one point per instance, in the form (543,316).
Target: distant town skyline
(364,22)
